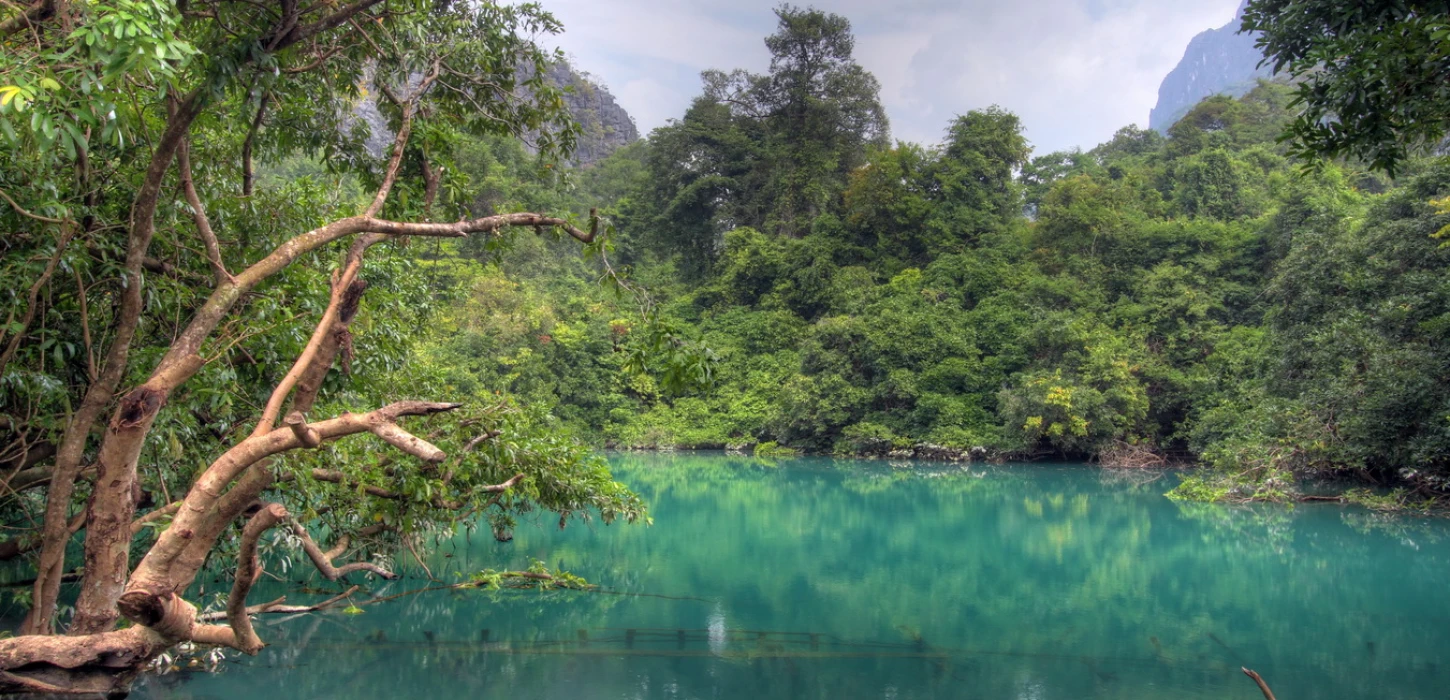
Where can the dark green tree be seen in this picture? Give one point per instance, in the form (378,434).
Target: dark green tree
(976,175)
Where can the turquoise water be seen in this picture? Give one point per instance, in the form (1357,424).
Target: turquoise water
(821,578)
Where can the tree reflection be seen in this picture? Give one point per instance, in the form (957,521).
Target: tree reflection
(949,581)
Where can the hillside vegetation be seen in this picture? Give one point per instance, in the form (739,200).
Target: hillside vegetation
(1190,296)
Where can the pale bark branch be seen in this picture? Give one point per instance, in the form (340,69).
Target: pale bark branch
(1263,687)
(297,423)
(339,548)
(249,567)
(395,435)
(324,565)
(107,533)
(200,517)
(198,213)
(312,364)
(140,523)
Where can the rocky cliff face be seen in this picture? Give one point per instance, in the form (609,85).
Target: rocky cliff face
(604,125)
(1218,61)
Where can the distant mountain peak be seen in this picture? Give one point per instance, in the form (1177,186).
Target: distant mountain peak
(1218,61)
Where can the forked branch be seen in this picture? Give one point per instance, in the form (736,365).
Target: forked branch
(324,564)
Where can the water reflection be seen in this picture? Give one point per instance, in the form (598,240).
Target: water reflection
(821,578)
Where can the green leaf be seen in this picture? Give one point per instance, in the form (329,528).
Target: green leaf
(77,137)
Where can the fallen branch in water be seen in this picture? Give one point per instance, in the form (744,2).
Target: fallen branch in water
(1264,687)
(1125,455)
(276,606)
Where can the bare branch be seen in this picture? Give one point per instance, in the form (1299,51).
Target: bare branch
(338,548)
(249,568)
(311,366)
(500,488)
(140,523)
(305,435)
(474,443)
(198,213)
(324,565)
(200,519)
(1263,687)
(105,546)
(277,606)
(396,436)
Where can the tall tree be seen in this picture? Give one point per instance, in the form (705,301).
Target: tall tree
(819,109)
(976,174)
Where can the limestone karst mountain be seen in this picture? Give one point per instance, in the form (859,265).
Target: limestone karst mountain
(1217,61)
(604,125)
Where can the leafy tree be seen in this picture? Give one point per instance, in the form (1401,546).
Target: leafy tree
(180,264)
(975,177)
(1369,75)
(819,107)
(768,151)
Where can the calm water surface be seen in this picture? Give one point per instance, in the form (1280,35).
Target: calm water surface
(822,578)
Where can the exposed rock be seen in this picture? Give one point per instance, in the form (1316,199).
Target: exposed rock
(940,453)
(604,125)
(740,448)
(380,137)
(1218,61)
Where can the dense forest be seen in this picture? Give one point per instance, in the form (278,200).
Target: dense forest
(1195,295)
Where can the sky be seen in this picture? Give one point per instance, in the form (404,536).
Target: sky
(1075,70)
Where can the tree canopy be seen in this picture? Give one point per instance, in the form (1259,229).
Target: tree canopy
(1369,75)
(208,283)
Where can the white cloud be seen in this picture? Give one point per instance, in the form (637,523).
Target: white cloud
(1074,70)
(649,101)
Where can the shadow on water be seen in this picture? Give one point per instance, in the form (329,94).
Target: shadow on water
(834,578)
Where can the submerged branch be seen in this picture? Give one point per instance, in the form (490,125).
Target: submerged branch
(1263,687)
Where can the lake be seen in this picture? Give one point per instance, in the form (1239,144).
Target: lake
(821,578)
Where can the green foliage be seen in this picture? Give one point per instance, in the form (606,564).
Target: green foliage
(1369,75)
(86,99)
(818,288)
(770,449)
